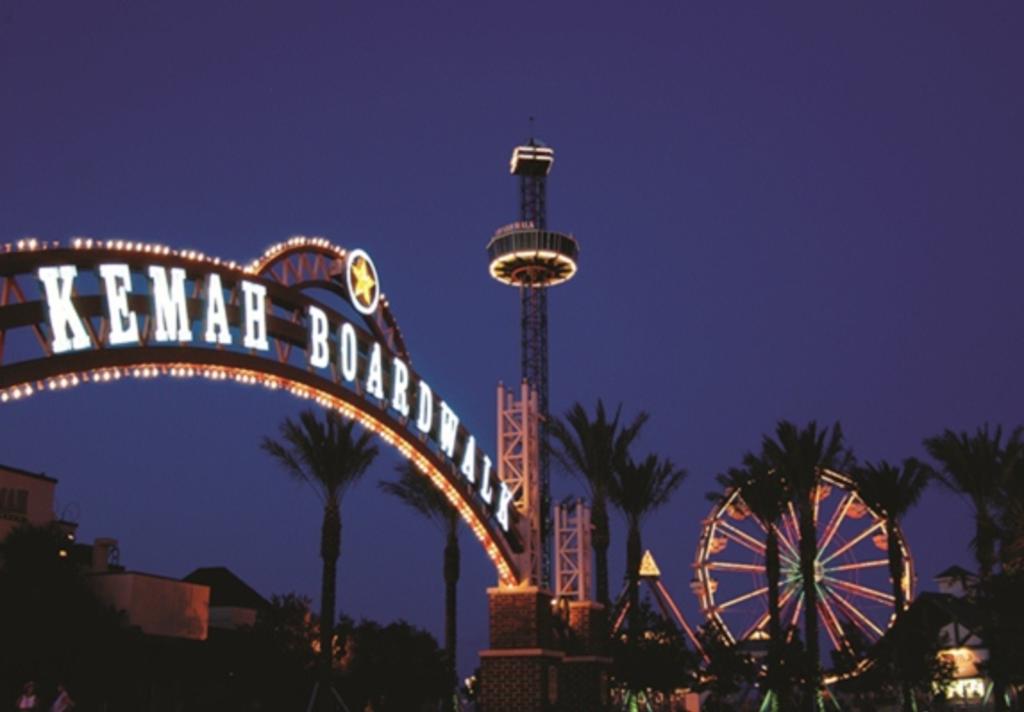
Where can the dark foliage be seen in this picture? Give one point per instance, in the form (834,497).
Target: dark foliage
(730,673)
(53,627)
(658,661)
(418,493)
(799,455)
(594,451)
(1001,600)
(330,456)
(906,660)
(391,668)
(989,472)
(637,490)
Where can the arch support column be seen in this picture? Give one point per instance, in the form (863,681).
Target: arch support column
(586,668)
(539,662)
(521,670)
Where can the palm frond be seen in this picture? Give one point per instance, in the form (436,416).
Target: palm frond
(798,454)
(640,488)
(324,454)
(592,448)
(890,489)
(417,492)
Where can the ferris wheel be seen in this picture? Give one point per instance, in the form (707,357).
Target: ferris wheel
(855,600)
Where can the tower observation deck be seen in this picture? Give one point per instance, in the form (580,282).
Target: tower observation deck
(527,255)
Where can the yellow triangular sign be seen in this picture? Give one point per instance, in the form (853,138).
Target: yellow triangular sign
(649,569)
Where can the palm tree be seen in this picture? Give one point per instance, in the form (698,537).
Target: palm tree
(329,457)
(892,491)
(1012,545)
(417,492)
(764,495)
(798,455)
(637,490)
(593,450)
(984,470)
(981,468)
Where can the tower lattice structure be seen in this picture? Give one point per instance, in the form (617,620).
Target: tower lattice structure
(532,258)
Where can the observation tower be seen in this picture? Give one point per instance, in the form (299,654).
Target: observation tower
(528,256)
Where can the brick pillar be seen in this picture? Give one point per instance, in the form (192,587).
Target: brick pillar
(589,625)
(586,667)
(520,671)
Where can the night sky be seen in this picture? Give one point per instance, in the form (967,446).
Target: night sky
(804,212)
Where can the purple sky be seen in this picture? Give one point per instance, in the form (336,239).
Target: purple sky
(809,212)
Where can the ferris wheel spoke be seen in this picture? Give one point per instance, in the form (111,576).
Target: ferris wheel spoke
(784,540)
(795,618)
(827,619)
(740,599)
(792,578)
(866,625)
(862,591)
(837,518)
(763,620)
(757,625)
(756,520)
(741,537)
(840,633)
(857,566)
(879,523)
(736,566)
(794,522)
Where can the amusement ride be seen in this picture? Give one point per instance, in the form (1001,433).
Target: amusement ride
(113,329)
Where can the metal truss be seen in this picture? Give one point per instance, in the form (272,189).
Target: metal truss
(518,468)
(534,334)
(534,350)
(533,200)
(572,550)
(314,263)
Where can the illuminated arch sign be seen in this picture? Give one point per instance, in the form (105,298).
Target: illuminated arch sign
(97,311)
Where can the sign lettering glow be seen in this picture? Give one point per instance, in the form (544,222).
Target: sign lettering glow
(400,386)
(449,429)
(124,325)
(335,350)
(425,410)
(375,378)
(468,468)
(504,500)
(319,353)
(217,330)
(254,299)
(170,310)
(486,493)
(348,354)
(57,285)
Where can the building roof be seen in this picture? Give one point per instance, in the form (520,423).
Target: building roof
(940,609)
(19,471)
(927,616)
(226,589)
(955,572)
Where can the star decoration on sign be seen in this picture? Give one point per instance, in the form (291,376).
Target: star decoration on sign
(365,282)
